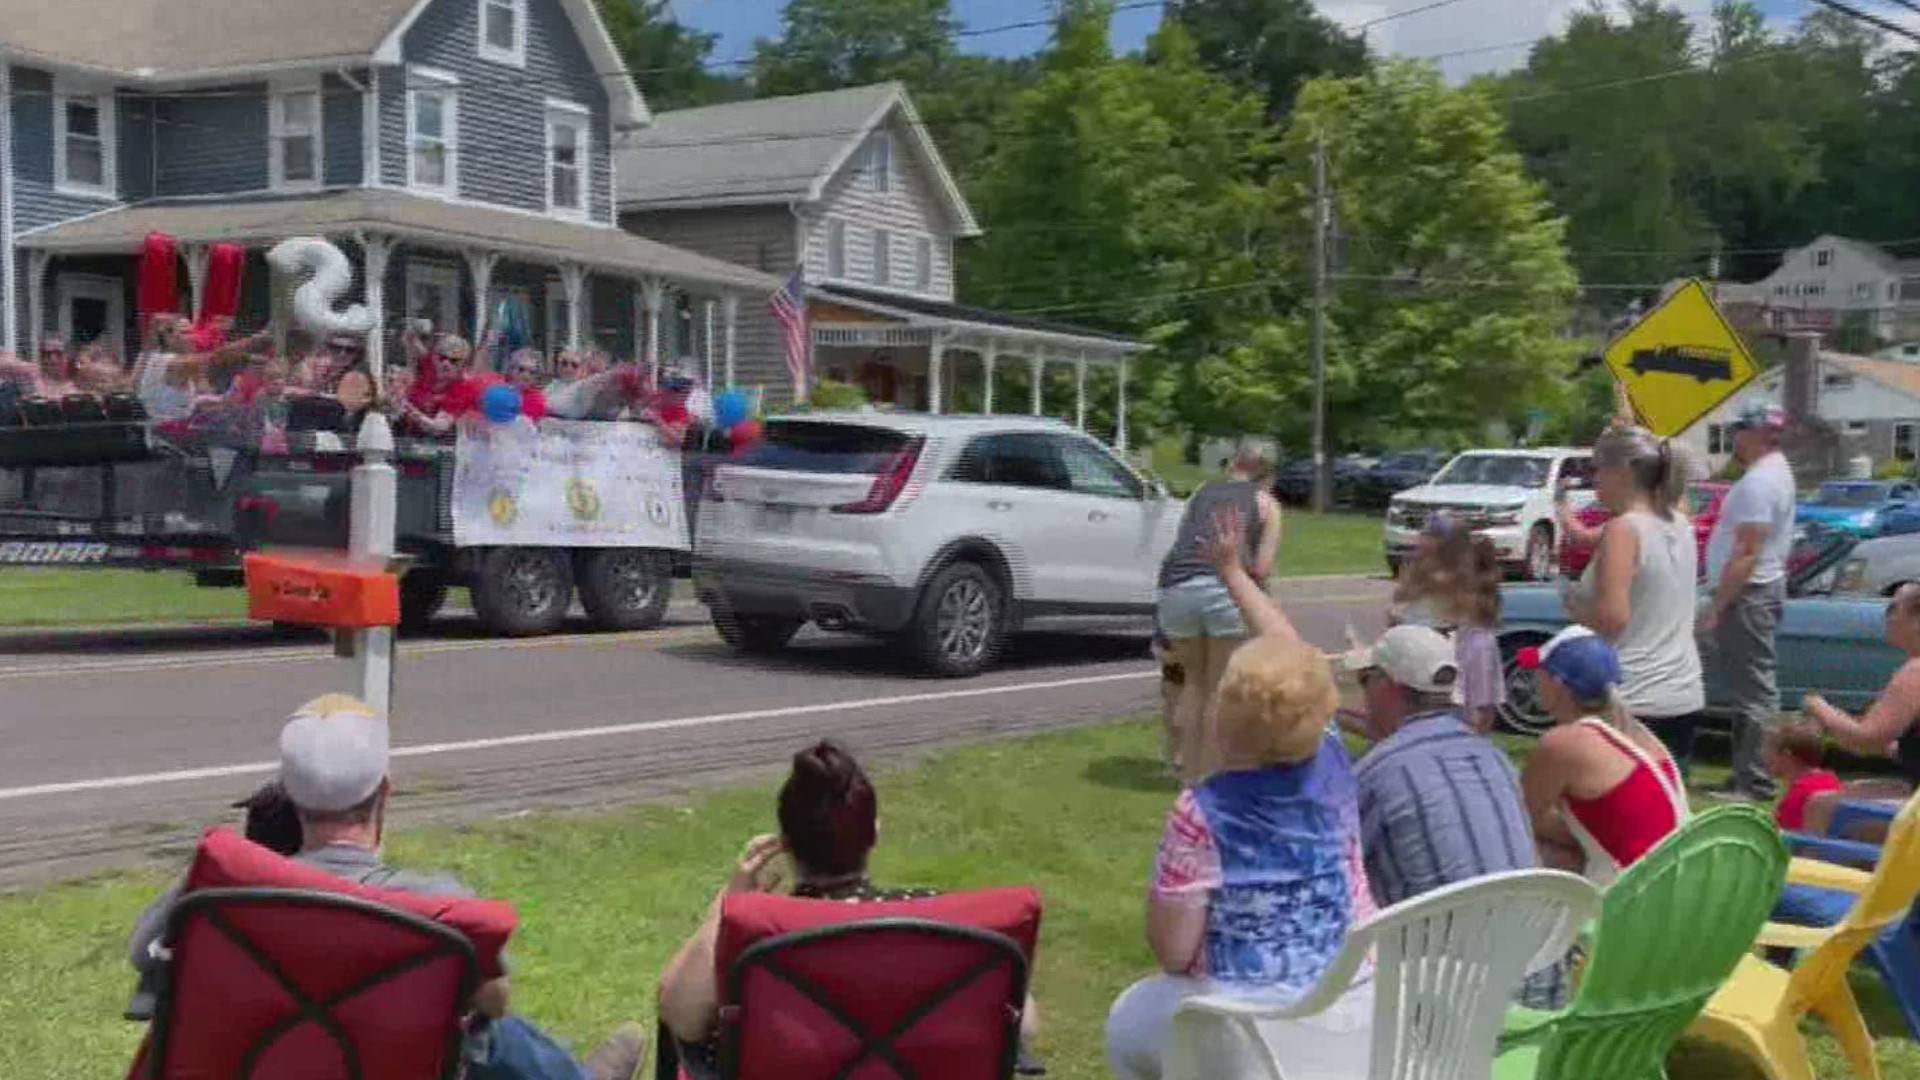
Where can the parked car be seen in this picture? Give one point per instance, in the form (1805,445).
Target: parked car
(1395,473)
(1506,496)
(1856,506)
(945,533)
(1828,644)
(1901,520)
(1878,567)
(1703,507)
(1293,484)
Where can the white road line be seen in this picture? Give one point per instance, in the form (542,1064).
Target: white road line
(533,738)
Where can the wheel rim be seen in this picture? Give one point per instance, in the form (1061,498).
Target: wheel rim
(1540,558)
(965,621)
(631,582)
(1522,711)
(532,583)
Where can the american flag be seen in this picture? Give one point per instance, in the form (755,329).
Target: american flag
(790,307)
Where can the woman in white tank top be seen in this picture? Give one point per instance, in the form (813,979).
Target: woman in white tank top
(1639,592)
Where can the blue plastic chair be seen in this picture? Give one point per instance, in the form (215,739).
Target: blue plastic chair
(1896,952)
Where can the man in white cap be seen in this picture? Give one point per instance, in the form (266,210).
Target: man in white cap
(334,752)
(1439,803)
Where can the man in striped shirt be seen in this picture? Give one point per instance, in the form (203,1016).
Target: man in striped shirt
(1439,804)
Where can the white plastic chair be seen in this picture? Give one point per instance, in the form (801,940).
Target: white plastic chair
(1446,968)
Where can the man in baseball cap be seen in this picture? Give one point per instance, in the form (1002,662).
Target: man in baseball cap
(334,752)
(1439,803)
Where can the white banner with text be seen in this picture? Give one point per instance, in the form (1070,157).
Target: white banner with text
(567,483)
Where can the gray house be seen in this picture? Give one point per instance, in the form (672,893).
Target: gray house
(459,150)
(849,187)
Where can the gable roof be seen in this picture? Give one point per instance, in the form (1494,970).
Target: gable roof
(1899,376)
(771,151)
(156,42)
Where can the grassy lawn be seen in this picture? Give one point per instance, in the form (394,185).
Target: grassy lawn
(31,596)
(1329,544)
(604,899)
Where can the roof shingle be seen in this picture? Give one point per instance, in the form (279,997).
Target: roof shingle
(160,38)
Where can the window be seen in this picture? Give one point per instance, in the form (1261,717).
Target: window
(433,293)
(1856,427)
(1576,474)
(433,132)
(1092,471)
(836,249)
(1903,441)
(1893,290)
(1816,288)
(293,131)
(1863,290)
(1823,257)
(880,161)
(568,151)
(1024,460)
(503,31)
(83,141)
(1717,440)
(923,264)
(882,257)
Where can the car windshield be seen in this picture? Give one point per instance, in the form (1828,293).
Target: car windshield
(1405,461)
(1504,470)
(1850,495)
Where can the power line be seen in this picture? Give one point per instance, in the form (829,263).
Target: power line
(1392,15)
(1857,15)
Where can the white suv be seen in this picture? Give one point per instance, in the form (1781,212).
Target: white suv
(945,532)
(1506,496)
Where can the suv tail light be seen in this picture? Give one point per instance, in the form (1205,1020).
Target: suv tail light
(889,483)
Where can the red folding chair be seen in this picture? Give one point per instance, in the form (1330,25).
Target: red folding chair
(914,990)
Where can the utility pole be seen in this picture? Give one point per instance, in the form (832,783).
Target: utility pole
(1321,496)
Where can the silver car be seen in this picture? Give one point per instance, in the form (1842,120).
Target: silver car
(1878,567)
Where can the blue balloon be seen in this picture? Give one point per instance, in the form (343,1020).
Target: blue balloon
(730,409)
(500,404)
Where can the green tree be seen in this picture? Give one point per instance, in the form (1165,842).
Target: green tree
(1454,283)
(669,61)
(830,44)
(1270,46)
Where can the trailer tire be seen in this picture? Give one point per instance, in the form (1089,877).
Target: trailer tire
(523,591)
(625,588)
(422,594)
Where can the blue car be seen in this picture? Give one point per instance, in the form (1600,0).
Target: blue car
(1860,507)
(1830,645)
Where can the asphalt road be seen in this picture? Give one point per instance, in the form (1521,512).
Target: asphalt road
(118,747)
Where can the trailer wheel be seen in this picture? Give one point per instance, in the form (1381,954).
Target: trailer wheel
(523,591)
(625,588)
(422,594)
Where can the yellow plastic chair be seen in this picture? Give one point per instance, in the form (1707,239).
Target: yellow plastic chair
(1758,1011)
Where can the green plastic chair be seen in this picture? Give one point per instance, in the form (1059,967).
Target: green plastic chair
(1670,931)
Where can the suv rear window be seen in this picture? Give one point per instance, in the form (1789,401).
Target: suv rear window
(815,447)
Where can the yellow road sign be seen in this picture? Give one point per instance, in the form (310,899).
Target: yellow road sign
(1680,361)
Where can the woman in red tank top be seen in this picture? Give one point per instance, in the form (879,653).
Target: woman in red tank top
(1601,787)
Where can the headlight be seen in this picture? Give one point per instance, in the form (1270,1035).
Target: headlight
(1503,517)
(1853,575)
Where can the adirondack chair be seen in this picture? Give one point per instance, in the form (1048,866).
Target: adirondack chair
(1446,966)
(1759,1011)
(1670,931)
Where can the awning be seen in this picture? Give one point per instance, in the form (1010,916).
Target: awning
(917,320)
(406,217)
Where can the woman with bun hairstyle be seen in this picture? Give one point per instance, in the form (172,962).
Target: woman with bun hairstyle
(829,820)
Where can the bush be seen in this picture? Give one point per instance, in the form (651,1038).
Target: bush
(1893,470)
(833,394)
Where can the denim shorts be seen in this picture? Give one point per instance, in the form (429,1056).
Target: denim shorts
(1199,608)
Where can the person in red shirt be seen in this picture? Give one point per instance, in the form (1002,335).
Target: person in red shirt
(1794,756)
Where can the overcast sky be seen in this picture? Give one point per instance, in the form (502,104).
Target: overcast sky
(1481,35)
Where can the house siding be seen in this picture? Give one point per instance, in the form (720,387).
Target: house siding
(502,115)
(342,118)
(910,210)
(36,203)
(758,237)
(212,145)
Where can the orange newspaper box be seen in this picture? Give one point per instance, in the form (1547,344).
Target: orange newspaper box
(314,591)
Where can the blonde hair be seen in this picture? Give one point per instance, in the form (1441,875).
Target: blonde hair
(1274,702)
(1650,464)
(1459,575)
(335,703)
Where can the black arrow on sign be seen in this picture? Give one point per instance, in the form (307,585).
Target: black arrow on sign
(1706,365)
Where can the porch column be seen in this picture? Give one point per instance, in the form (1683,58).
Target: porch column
(730,318)
(706,343)
(1080,392)
(639,326)
(1120,408)
(573,282)
(1037,368)
(480,263)
(988,357)
(653,295)
(195,256)
(375,250)
(936,373)
(37,302)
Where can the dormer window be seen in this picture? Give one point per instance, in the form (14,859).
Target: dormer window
(293,130)
(503,31)
(432,132)
(880,161)
(83,127)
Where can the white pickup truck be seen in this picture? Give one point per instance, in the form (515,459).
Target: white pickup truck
(1506,496)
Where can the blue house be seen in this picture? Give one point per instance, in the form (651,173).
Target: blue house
(458,150)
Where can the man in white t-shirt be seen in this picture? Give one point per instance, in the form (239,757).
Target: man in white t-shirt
(1747,572)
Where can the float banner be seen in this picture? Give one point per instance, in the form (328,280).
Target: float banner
(567,483)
